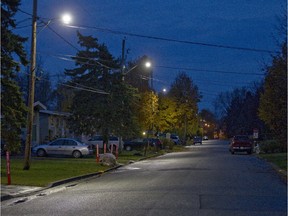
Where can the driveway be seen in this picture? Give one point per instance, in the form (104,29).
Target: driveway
(205,180)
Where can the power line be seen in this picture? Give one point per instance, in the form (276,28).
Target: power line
(174,40)
(168,39)
(82,87)
(209,71)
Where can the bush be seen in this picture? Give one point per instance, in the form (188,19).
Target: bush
(270,146)
(167,144)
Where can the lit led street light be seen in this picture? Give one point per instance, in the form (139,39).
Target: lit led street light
(148,64)
(66,18)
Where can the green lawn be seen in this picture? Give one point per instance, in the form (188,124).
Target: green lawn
(44,171)
(279,159)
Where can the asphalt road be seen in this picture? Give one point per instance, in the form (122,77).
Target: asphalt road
(205,180)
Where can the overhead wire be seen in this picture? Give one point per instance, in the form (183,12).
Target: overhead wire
(174,40)
(82,87)
(155,38)
(117,32)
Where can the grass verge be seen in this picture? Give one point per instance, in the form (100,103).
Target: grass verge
(44,171)
(278,159)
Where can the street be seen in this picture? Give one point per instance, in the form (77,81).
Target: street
(205,180)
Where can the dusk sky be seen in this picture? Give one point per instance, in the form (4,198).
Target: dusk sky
(208,27)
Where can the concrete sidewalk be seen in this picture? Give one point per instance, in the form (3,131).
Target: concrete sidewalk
(13,191)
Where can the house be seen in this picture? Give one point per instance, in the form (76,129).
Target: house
(48,125)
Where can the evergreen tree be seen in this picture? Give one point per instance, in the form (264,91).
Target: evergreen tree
(105,106)
(12,105)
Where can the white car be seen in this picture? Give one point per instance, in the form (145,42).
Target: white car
(63,146)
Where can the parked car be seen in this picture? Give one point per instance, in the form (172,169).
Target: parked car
(205,137)
(175,139)
(197,139)
(98,140)
(134,144)
(241,143)
(154,142)
(63,146)
(140,143)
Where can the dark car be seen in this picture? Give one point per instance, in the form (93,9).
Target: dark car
(197,139)
(154,142)
(241,143)
(140,143)
(63,146)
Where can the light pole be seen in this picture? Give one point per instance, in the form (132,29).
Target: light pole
(29,127)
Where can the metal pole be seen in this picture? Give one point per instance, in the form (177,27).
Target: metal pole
(31,91)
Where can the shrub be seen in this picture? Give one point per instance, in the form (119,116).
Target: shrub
(167,144)
(270,146)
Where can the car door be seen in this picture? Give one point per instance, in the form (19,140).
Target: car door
(55,147)
(96,140)
(69,147)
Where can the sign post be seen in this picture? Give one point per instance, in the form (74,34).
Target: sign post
(255,133)
(8,168)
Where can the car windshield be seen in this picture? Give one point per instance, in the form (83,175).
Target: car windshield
(113,138)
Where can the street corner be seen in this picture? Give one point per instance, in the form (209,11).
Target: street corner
(10,191)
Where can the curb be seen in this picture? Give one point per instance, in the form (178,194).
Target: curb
(57,183)
(65,181)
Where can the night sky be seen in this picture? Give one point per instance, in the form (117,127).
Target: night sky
(220,44)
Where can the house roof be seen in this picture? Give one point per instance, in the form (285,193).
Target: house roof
(39,106)
(49,112)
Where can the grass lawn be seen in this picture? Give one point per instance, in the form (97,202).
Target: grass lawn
(44,171)
(279,159)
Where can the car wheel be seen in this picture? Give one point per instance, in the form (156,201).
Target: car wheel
(76,154)
(232,152)
(128,148)
(249,152)
(41,153)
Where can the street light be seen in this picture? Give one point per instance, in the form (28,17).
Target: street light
(147,64)
(66,18)
(30,115)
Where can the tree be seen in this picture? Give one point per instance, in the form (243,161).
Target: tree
(239,110)
(273,101)
(167,114)
(186,95)
(138,76)
(13,109)
(102,102)
(147,110)
(43,86)
(208,123)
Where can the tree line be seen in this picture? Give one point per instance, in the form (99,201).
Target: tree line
(100,100)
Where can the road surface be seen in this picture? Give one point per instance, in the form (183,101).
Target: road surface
(206,180)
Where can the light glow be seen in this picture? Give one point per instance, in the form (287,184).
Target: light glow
(66,19)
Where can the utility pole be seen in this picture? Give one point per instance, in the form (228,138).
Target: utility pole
(29,126)
(123,59)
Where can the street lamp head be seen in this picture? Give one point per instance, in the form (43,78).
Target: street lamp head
(148,64)
(66,18)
